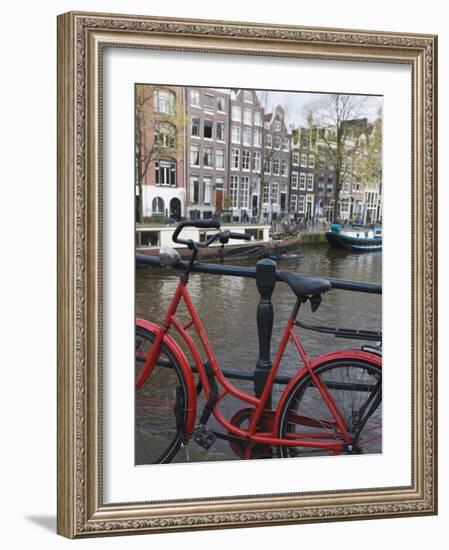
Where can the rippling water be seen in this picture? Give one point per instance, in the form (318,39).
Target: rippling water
(227,307)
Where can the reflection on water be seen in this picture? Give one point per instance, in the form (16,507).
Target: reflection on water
(227,307)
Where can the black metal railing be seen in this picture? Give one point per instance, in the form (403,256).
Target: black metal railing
(266,276)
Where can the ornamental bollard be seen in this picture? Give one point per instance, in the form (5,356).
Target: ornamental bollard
(265,281)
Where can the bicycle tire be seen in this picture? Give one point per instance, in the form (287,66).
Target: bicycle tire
(160,405)
(359,379)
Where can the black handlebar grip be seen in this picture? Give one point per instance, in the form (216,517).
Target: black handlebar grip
(242,236)
(200,224)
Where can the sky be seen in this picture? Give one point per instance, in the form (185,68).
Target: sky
(297,105)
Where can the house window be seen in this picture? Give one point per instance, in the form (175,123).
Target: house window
(295,158)
(247,117)
(274,193)
(321,184)
(220,104)
(284,167)
(303,160)
(165,135)
(244,187)
(267,167)
(257,118)
(194,189)
(256,161)
(311,161)
(276,167)
(158,205)
(268,141)
(165,172)
(195,98)
(194,155)
(293,203)
(247,96)
(195,127)
(220,131)
(301,200)
(235,159)
(219,159)
(330,184)
(277,126)
(236,113)
(236,134)
(305,142)
(208,103)
(207,190)
(247,136)
(246,159)
(322,158)
(208,157)
(285,144)
(164,102)
(310,179)
(257,138)
(302,182)
(233,191)
(208,129)
(294,180)
(277,142)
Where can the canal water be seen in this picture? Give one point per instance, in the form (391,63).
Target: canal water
(227,307)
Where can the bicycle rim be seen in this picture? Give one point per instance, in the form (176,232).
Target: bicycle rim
(160,405)
(355,387)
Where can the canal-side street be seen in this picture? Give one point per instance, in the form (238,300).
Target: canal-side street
(227,307)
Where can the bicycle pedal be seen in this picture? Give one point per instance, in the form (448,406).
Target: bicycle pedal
(205,438)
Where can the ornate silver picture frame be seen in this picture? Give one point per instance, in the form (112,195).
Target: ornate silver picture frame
(83,39)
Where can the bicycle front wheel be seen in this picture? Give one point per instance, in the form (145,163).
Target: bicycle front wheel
(160,405)
(355,387)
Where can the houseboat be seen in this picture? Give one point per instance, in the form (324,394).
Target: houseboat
(149,239)
(355,238)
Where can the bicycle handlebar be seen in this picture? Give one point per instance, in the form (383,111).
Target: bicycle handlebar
(199,224)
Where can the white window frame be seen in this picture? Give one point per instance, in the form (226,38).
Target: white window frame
(257,159)
(247,96)
(236,131)
(284,167)
(207,108)
(301,204)
(295,180)
(246,160)
(295,158)
(235,154)
(303,160)
(195,94)
(257,118)
(233,191)
(302,181)
(210,153)
(310,181)
(207,190)
(236,113)
(212,129)
(219,155)
(244,192)
(293,203)
(195,148)
(311,161)
(221,124)
(247,136)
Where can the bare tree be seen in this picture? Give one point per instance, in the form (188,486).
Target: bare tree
(156,135)
(341,120)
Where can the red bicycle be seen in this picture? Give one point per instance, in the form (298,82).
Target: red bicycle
(332,405)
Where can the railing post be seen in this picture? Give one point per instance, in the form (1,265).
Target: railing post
(265,281)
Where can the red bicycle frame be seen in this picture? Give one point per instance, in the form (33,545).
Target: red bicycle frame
(251,434)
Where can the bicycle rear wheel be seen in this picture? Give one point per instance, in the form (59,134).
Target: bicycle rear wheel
(160,405)
(355,386)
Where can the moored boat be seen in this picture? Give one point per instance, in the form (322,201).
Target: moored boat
(151,238)
(355,238)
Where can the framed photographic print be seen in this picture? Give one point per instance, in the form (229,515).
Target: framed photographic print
(247,274)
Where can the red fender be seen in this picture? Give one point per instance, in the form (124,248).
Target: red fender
(314,363)
(186,371)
